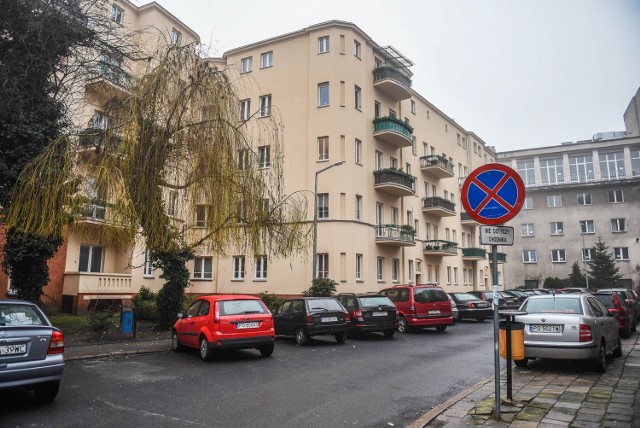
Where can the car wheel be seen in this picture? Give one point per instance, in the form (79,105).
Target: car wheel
(206,353)
(403,327)
(388,334)
(441,328)
(266,350)
(301,337)
(341,337)
(175,342)
(46,392)
(618,351)
(521,363)
(480,319)
(600,364)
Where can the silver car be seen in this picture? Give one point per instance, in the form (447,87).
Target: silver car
(569,327)
(31,350)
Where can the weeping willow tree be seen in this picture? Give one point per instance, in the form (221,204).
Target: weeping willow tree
(177,169)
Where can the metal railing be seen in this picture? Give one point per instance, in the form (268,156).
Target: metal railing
(111,72)
(474,252)
(436,160)
(439,245)
(386,72)
(395,232)
(390,124)
(395,176)
(438,202)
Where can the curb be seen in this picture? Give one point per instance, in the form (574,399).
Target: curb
(116,349)
(115,354)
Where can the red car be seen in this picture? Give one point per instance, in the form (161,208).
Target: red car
(615,303)
(420,306)
(226,321)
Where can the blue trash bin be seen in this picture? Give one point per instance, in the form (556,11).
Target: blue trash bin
(126,321)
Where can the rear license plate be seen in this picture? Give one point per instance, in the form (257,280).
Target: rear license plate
(482,305)
(329,319)
(379,314)
(537,328)
(241,325)
(434,312)
(13,349)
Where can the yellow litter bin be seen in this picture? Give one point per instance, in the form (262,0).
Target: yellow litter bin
(517,340)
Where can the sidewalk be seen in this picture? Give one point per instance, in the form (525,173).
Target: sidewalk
(551,394)
(79,352)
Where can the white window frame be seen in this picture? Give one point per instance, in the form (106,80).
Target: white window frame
(357,49)
(395,270)
(323,44)
(245,109)
(323,149)
(615,199)
(621,253)
(172,203)
(201,215)
(323,94)
(612,166)
(246,65)
(90,250)
(176,37)
(200,268)
(117,14)
(581,168)
(265,105)
(358,151)
(525,169)
(261,268)
(448,275)
(455,275)
(358,208)
(587,227)
(380,269)
(377,160)
(584,199)
(147,267)
(556,228)
(238,268)
(558,256)
(528,203)
(264,157)
(243,159)
(359,259)
(551,171)
(357,97)
(323,206)
(266,59)
(554,201)
(527,230)
(618,225)
(529,256)
(587,254)
(323,265)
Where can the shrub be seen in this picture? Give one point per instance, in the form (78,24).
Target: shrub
(145,305)
(271,300)
(553,282)
(100,323)
(321,287)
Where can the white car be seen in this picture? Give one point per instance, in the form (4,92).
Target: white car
(569,327)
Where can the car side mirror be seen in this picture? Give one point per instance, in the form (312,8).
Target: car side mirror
(180,315)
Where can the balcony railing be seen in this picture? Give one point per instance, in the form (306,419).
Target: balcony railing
(97,138)
(392,81)
(96,283)
(436,165)
(439,206)
(502,258)
(395,234)
(474,254)
(112,73)
(440,247)
(393,131)
(394,181)
(466,219)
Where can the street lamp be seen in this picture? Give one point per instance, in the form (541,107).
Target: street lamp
(315,216)
(584,261)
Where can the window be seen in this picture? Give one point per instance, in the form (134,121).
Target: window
(261,267)
(615,196)
(358,207)
(587,254)
(246,65)
(266,59)
(379,214)
(528,203)
(554,201)
(238,268)
(323,148)
(117,14)
(358,151)
(395,270)
(584,198)
(635,162)
(410,265)
(90,258)
(265,106)
(380,269)
(376,110)
(243,159)
(176,37)
(172,205)
(323,44)
(241,214)
(558,256)
(357,92)
(245,109)
(556,228)
(527,229)
(551,171)
(378,160)
(202,267)
(581,168)
(264,156)
(202,214)
(612,165)
(357,49)
(323,265)
(621,253)
(413,107)
(358,267)
(618,225)
(323,94)
(529,256)
(526,171)
(99,120)
(323,205)
(455,276)
(587,227)
(448,275)
(147,270)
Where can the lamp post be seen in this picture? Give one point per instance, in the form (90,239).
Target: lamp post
(584,262)
(315,216)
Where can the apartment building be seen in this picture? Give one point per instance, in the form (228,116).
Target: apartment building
(576,193)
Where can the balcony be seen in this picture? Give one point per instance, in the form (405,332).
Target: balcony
(437,166)
(108,80)
(474,254)
(438,247)
(394,181)
(466,220)
(392,82)
(502,258)
(98,140)
(396,235)
(392,131)
(438,206)
(97,283)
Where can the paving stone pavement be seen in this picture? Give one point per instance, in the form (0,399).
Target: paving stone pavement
(552,394)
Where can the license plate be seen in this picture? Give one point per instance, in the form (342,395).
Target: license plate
(13,349)
(434,312)
(379,314)
(241,325)
(482,305)
(329,319)
(544,328)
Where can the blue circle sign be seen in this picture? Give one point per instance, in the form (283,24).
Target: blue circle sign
(493,194)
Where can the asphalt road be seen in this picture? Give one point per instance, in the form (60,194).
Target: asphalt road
(368,381)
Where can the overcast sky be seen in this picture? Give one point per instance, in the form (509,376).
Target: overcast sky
(520,74)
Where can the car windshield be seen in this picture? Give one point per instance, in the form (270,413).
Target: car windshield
(19,315)
(606,300)
(553,305)
(424,295)
(465,297)
(376,301)
(324,305)
(240,307)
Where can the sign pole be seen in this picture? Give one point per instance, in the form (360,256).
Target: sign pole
(496,332)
